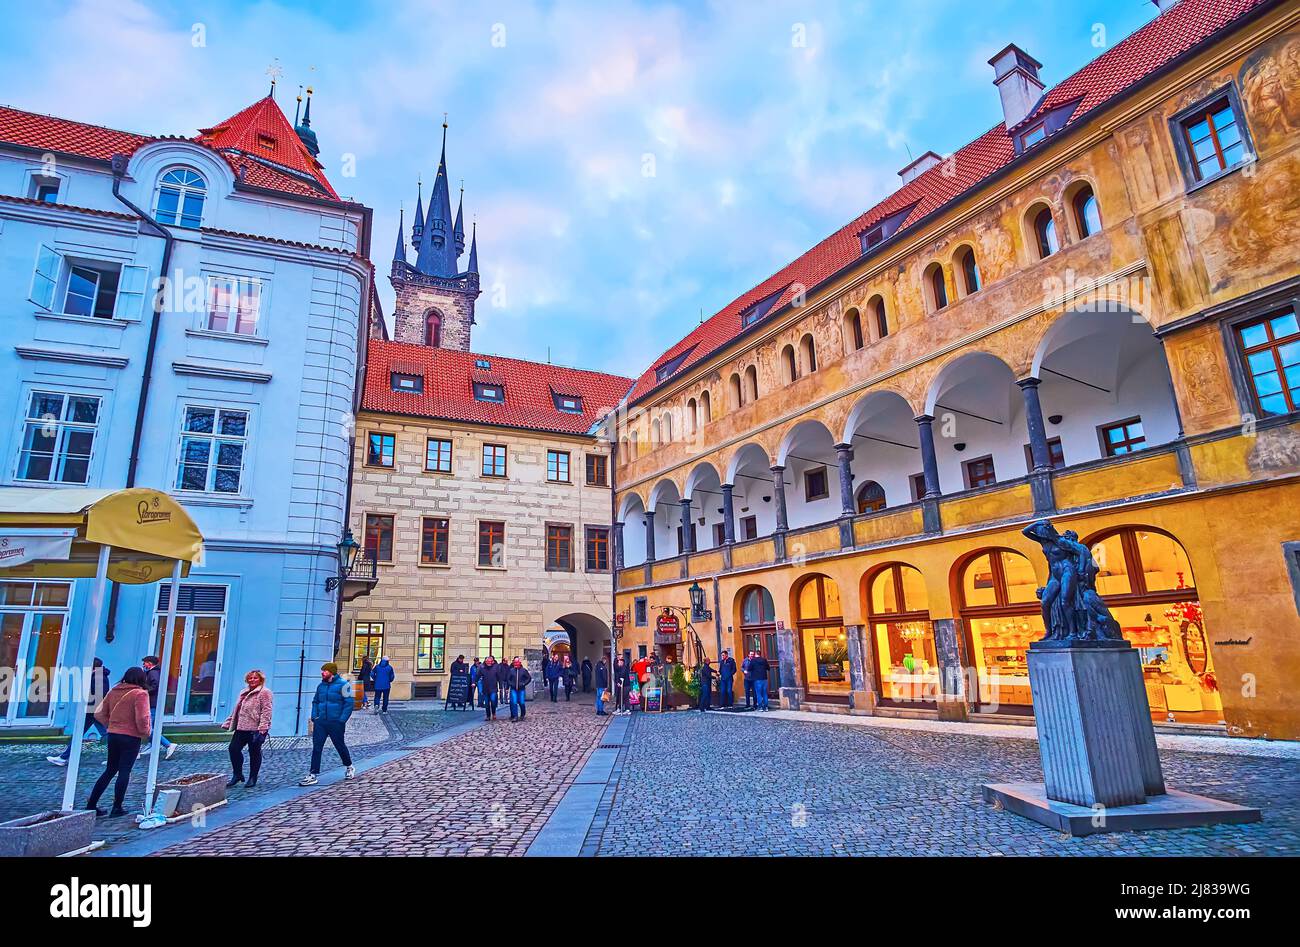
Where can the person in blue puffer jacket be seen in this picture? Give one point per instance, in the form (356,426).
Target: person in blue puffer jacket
(382,682)
(330,710)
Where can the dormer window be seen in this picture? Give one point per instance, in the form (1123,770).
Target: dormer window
(882,230)
(266,141)
(1034,135)
(570,404)
(758,310)
(665,371)
(43,188)
(411,384)
(486,392)
(181,194)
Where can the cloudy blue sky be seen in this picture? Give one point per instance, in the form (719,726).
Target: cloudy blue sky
(767,125)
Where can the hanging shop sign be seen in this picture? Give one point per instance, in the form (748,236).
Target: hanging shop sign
(668,629)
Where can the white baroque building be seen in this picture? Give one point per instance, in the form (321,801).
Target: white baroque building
(236,396)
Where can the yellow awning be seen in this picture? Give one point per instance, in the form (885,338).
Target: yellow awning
(146,531)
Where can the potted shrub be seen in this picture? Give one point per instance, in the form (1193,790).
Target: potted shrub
(196,791)
(46,834)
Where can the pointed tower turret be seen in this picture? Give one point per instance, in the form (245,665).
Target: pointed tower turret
(399,254)
(417,230)
(304,128)
(459,230)
(473,251)
(437,247)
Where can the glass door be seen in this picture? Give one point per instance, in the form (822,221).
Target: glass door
(195,665)
(33,617)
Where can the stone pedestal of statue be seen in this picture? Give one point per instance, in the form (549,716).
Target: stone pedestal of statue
(1095,734)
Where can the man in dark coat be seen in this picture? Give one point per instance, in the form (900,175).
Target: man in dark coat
(586,675)
(746,671)
(759,667)
(570,675)
(706,685)
(516,679)
(476,682)
(153,676)
(98,690)
(381,678)
(459,669)
(490,682)
(620,683)
(552,678)
(726,680)
(602,685)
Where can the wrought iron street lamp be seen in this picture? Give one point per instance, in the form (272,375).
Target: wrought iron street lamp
(348,549)
(698,611)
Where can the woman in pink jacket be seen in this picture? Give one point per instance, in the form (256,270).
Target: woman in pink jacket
(251,722)
(124,712)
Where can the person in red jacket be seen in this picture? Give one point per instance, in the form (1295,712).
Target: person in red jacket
(125,713)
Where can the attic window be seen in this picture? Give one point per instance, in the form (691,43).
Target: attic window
(486,392)
(571,404)
(266,141)
(411,384)
(666,370)
(483,364)
(759,309)
(884,229)
(1034,135)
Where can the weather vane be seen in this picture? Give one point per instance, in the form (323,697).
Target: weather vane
(275,71)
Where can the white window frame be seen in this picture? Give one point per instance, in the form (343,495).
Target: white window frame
(182,191)
(236,283)
(210,465)
(51,279)
(59,457)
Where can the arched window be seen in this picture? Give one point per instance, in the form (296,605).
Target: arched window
(871,497)
(757,607)
(668,427)
(706,408)
(937,287)
(1145,577)
(758,628)
(751,383)
(1087,215)
(877,309)
(181,193)
(1000,610)
(632,446)
(970,271)
(808,349)
(789,365)
(1045,233)
(854,337)
(907,665)
(656,434)
(737,393)
(692,416)
(433,330)
(823,643)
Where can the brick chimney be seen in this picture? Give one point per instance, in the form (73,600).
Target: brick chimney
(919,166)
(1015,73)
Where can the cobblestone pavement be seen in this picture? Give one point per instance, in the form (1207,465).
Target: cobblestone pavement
(695,784)
(32,784)
(485,792)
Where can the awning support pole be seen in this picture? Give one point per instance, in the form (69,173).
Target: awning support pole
(155,738)
(85,678)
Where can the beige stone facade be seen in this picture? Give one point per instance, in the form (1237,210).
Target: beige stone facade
(520,592)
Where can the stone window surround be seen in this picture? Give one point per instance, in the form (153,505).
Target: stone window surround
(546,547)
(478,538)
(609,548)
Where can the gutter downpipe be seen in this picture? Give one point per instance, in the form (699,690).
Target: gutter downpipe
(119,162)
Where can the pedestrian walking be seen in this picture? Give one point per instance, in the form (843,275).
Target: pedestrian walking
(727,680)
(381,679)
(98,691)
(365,676)
(153,674)
(517,679)
(124,712)
(476,682)
(503,686)
(706,675)
(748,674)
(620,684)
(586,675)
(490,682)
(249,723)
(570,674)
(553,679)
(760,667)
(602,687)
(330,709)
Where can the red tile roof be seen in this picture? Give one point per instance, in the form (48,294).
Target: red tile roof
(1157,43)
(449,393)
(278,162)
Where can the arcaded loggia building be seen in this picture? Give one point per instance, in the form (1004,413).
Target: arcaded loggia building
(1088,314)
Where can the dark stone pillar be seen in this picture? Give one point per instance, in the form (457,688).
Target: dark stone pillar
(687,545)
(791,695)
(953,696)
(778,494)
(1034,422)
(844,452)
(728,515)
(650,537)
(929,462)
(618,546)
(862,679)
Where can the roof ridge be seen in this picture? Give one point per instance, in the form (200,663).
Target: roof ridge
(512,358)
(76,121)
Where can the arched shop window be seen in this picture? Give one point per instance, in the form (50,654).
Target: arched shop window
(907,665)
(1145,577)
(1000,612)
(823,643)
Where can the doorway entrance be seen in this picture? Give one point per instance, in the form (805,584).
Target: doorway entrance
(823,642)
(758,632)
(33,618)
(197,639)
